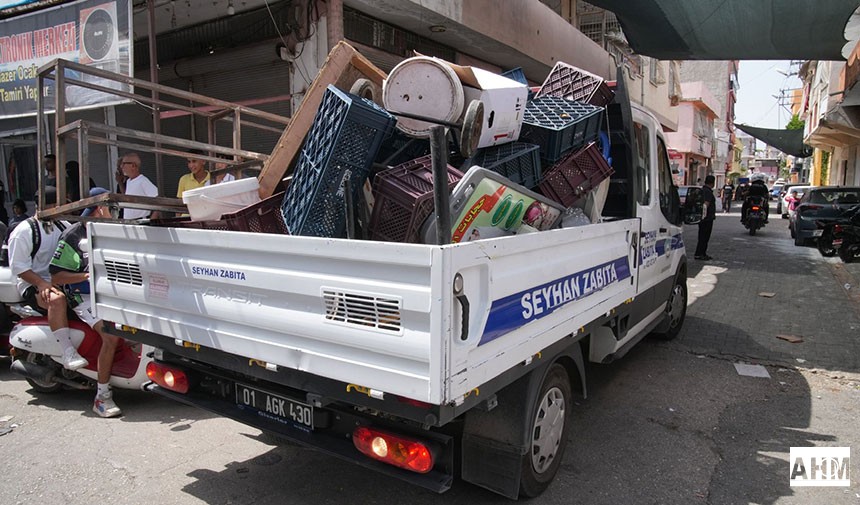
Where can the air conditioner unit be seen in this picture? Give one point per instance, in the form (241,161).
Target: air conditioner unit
(99,37)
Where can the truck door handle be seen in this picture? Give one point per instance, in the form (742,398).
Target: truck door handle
(464,305)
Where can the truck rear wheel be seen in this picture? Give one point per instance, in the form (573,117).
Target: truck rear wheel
(550,428)
(676,309)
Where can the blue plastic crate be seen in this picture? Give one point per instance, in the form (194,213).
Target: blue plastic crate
(559,126)
(518,161)
(518,75)
(341,145)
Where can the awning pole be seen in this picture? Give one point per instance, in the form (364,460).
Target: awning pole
(153,77)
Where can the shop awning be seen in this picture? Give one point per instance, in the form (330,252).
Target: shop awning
(734,29)
(787,141)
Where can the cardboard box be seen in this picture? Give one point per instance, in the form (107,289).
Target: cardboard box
(504,103)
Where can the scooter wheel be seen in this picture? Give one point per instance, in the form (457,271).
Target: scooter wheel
(44,387)
(752,231)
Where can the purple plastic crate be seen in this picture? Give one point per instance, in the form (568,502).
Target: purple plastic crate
(572,83)
(559,126)
(343,142)
(262,217)
(518,161)
(403,200)
(578,173)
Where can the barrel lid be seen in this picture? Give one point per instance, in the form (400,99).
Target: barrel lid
(423,86)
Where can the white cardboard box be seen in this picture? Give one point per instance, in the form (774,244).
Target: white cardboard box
(504,103)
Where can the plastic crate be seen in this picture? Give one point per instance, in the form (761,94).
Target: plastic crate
(518,161)
(262,217)
(400,148)
(518,75)
(571,83)
(574,176)
(404,200)
(559,126)
(343,142)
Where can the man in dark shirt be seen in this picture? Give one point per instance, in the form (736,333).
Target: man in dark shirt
(709,213)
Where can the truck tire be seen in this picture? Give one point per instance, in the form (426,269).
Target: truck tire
(550,427)
(676,309)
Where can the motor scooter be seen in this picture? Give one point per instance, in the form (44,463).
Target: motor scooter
(755,217)
(38,356)
(840,236)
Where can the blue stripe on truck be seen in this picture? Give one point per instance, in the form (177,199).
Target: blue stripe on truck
(513,311)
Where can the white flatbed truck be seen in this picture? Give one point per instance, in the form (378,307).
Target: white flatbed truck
(401,357)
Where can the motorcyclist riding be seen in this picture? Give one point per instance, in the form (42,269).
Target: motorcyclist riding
(757,189)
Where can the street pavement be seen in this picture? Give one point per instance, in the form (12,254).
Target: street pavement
(759,287)
(670,423)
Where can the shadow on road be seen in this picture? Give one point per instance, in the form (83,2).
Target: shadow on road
(660,426)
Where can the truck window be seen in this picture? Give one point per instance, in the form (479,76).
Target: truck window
(664,181)
(643,163)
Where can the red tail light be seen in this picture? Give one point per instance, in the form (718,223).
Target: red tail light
(837,228)
(168,377)
(393,449)
(756,208)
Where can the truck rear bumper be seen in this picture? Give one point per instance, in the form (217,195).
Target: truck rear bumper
(332,433)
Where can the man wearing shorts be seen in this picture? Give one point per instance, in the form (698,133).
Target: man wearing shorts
(31,245)
(70,269)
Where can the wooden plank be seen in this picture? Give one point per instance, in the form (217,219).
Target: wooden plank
(117,200)
(343,66)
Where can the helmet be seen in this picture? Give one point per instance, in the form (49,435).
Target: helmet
(758,177)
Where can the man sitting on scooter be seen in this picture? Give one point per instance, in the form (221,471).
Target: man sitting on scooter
(757,189)
(31,247)
(70,269)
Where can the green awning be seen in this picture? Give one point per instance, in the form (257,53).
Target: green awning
(787,141)
(734,29)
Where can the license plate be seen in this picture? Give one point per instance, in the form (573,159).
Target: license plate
(275,407)
(837,242)
(817,233)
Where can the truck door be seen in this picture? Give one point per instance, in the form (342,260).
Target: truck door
(655,238)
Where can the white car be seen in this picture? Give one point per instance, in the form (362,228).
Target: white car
(800,190)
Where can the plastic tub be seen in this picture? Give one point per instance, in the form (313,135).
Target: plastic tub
(210,202)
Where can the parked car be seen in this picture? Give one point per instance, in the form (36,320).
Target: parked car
(782,202)
(820,204)
(775,190)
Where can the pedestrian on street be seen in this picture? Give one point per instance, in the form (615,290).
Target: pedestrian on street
(709,213)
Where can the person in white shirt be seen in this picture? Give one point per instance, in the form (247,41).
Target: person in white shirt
(220,176)
(31,248)
(136,184)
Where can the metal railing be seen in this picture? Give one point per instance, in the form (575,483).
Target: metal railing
(67,73)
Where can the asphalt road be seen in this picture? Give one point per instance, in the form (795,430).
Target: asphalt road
(669,423)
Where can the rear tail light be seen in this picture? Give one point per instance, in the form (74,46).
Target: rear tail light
(755,207)
(837,228)
(402,452)
(168,377)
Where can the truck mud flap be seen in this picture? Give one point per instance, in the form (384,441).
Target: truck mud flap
(333,442)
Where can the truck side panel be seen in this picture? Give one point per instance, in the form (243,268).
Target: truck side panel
(530,293)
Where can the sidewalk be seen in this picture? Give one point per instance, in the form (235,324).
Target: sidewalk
(732,314)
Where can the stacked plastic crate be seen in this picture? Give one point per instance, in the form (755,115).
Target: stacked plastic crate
(576,163)
(337,154)
(403,199)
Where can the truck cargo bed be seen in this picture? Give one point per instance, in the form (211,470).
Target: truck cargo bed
(380,315)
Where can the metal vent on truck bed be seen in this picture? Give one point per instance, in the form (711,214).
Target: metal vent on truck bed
(362,310)
(126,273)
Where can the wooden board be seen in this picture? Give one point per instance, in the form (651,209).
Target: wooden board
(343,66)
(116,200)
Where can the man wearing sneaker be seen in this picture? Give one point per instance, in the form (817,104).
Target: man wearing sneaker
(31,247)
(70,269)
(709,214)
